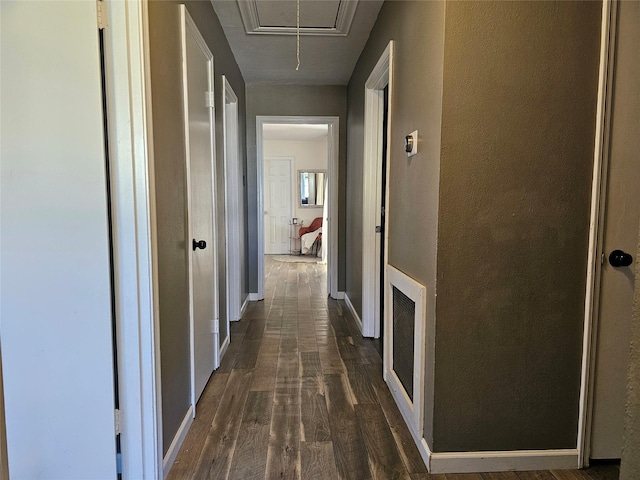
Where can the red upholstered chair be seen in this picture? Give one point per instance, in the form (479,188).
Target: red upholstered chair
(316,224)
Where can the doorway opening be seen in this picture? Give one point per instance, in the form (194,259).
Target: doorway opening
(234,204)
(377,121)
(379,342)
(298,191)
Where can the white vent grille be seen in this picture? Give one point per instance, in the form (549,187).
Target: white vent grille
(405,346)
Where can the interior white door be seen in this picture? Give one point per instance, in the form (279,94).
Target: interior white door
(234,190)
(620,233)
(198,82)
(56,327)
(277,205)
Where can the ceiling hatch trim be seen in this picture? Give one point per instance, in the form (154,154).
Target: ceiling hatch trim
(251,20)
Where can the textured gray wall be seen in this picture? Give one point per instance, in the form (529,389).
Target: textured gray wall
(285,100)
(630,464)
(417,29)
(629,38)
(520,84)
(169,164)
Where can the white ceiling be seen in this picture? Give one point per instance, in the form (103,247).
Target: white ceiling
(261,34)
(278,131)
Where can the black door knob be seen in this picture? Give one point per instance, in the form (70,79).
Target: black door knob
(199,244)
(618,258)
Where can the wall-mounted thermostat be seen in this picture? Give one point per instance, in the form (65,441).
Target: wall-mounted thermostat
(411,143)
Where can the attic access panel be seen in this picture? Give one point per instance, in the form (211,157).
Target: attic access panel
(279,13)
(278,17)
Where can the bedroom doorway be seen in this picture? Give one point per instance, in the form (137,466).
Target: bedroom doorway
(310,146)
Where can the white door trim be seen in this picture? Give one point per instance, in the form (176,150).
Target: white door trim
(134,237)
(187,23)
(232,203)
(333,139)
(381,77)
(600,160)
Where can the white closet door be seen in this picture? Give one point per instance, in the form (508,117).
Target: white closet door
(55,296)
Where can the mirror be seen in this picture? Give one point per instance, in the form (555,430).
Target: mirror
(311,187)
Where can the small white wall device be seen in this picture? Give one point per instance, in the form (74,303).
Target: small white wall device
(411,143)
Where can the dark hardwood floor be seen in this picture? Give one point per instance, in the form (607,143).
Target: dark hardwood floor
(300,395)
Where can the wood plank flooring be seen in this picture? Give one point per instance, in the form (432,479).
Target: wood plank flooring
(300,395)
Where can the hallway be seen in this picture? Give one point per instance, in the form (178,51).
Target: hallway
(300,394)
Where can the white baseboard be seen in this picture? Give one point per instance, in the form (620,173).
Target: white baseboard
(253,297)
(339,296)
(497,461)
(490,461)
(352,310)
(243,309)
(174,448)
(223,348)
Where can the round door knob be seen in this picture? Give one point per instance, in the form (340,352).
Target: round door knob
(618,258)
(199,244)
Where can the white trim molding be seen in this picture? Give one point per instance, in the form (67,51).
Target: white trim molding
(381,77)
(356,317)
(134,220)
(243,309)
(412,409)
(174,448)
(605,81)
(498,461)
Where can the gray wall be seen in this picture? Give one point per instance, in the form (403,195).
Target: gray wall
(169,164)
(416,104)
(630,464)
(284,100)
(503,95)
(628,39)
(520,84)
(417,29)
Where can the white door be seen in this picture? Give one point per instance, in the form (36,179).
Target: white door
(277,205)
(234,190)
(56,327)
(620,233)
(198,82)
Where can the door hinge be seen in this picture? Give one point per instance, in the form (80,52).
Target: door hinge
(102,14)
(215,326)
(210,99)
(118,421)
(378,228)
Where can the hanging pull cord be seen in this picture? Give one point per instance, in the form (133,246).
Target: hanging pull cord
(298,34)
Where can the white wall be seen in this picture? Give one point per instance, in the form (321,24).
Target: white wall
(55,319)
(308,155)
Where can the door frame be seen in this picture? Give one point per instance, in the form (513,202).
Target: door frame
(291,161)
(332,172)
(135,240)
(232,187)
(187,23)
(596,229)
(381,76)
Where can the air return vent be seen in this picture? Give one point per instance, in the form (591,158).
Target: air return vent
(405,346)
(404,314)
